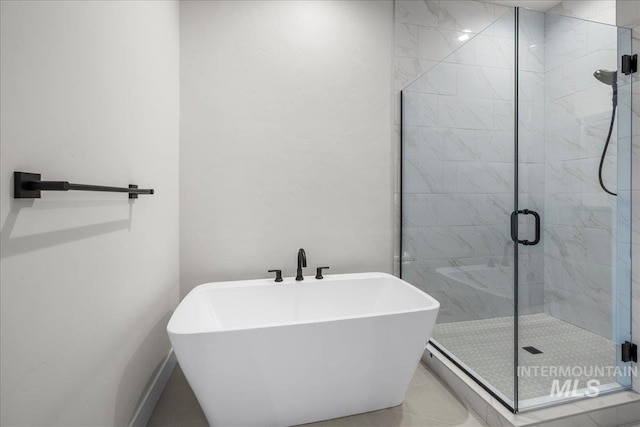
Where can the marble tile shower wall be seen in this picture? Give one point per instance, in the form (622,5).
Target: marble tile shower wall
(531,157)
(580,218)
(458,178)
(426,32)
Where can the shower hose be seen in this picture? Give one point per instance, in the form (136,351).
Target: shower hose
(604,152)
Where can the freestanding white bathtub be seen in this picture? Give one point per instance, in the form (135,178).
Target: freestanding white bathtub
(261,353)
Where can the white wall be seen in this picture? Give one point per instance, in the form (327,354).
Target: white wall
(89,94)
(285,137)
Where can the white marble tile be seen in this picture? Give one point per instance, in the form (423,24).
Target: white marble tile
(531,56)
(426,243)
(495,146)
(450,144)
(419,12)
(575,176)
(422,274)
(531,145)
(406,40)
(460,15)
(494,52)
(465,54)
(427,177)
(472,209)
(531,178)
(579,108)
(531,116)
(436,43)
(580,277)
(440,79)
(603,11)
(577,75)
(484,82)
(504,115)
(566,144)
(444,144)
(531,86)
(566,47)
(579,243)
(419,210)
(594,210)
(601,36)
(578,216)
(465,113)
(532,40)
(504,25)
(531,26)
(420,109)
(556,25)
(579,310)
(555,85)
(483,177)
(585,304)
(409,69)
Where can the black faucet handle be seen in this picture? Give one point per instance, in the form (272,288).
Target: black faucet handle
(278,274)
(319,272)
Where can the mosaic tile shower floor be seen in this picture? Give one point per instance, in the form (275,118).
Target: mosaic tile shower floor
(486,346)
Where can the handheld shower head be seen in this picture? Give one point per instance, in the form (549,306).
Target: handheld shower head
(607,77)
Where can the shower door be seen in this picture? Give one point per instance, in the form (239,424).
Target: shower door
(573,286)
(504,220)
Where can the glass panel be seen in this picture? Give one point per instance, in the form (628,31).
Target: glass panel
(457,197)
(571,284)
(459,180)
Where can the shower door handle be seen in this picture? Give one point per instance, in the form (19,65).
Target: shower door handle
(514,224)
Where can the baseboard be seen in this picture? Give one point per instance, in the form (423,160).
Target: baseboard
(150,400)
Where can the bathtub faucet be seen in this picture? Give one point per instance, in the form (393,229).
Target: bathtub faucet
(302,262)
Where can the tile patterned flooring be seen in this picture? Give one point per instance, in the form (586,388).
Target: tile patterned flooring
(486,347)
(428,403)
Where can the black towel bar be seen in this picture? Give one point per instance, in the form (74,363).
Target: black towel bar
(29,185)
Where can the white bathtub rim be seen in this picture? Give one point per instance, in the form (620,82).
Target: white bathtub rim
(291,280)
(434,304)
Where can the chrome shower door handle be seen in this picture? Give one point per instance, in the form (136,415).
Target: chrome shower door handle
(514,222)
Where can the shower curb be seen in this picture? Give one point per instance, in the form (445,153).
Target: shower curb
(610,410)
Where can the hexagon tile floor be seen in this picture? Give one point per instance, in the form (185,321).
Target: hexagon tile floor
(486,347)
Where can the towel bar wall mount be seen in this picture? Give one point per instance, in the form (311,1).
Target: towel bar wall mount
(29,185)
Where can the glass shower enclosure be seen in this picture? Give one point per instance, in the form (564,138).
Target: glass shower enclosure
(514,214)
